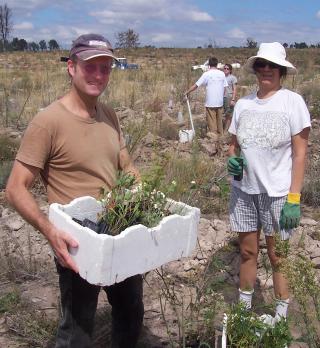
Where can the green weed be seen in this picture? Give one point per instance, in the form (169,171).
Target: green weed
(9,301)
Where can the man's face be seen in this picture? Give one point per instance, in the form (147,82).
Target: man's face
(226,70)
(90,76)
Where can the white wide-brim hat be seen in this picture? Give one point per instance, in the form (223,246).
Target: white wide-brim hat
(273,52)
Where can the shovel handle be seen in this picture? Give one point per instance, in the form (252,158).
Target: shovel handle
(190,115)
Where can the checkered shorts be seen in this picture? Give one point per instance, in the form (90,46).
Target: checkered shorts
(250,213)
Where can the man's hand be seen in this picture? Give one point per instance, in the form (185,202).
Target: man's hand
(60,242)
(291,212)
(235,165)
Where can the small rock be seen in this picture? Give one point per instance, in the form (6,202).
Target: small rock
(6,212)
(148,139)
(190,265)
(214,190)
(36,300)
(212,136)
(3,326)
(15,224)
(15,134)
(299,345)
(316,262)
(200,256)
(314,250)
(209,148)
(265,282)
(305,221)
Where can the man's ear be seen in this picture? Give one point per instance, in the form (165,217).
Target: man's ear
(71,66)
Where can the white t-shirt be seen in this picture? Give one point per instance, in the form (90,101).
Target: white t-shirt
(264,128)
(215,81)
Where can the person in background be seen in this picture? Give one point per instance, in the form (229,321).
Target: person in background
(230,95)
(268,149)
(77,147)
(215,82)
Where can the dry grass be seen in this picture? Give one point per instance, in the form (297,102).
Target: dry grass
(30,81)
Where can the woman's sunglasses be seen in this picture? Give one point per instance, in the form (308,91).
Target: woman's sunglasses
(260,64)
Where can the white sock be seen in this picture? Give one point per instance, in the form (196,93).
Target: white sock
(245,297)
(281,309)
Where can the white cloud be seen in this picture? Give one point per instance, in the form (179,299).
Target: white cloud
(236,33)
(318,14)
(24,26)
(122,11)
(162,37)
(198,16)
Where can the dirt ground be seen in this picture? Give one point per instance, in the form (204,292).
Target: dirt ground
(40,295)
(35,280)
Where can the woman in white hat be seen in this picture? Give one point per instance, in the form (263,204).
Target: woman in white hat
(270,130)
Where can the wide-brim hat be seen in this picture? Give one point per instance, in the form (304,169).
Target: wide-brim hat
(90,46)
(273,52)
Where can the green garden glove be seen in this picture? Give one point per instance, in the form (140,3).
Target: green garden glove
(290,213)
(235,165)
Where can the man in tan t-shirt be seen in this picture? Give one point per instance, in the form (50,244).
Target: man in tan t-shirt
(76,146)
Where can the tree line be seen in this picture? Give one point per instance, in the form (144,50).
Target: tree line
(251,43)
(22,45)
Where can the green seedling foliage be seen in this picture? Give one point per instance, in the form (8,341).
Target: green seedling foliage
(131,203)
(245,329)
(278,336)
(9,301)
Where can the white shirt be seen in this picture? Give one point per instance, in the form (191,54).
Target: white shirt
(264,128)
(215,81)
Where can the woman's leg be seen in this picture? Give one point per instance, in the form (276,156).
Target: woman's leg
(280,283)
(249,249)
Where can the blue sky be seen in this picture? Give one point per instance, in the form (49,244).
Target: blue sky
(169,23)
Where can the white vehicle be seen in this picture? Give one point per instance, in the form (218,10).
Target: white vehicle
(121,63)
(205,66)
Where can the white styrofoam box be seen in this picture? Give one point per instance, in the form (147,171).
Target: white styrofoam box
(104,260)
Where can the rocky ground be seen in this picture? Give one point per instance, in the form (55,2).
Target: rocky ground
(27,266)
(32,260)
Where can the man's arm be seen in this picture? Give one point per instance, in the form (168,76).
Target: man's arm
(191,89)
(234,93)
(18,195)
(126,164)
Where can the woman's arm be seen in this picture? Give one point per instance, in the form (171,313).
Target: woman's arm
(234,148)
(299,154)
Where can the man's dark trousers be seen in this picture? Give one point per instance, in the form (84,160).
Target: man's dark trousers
(79,302)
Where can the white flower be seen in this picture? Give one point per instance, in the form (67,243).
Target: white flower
(173,182)
(193,184)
